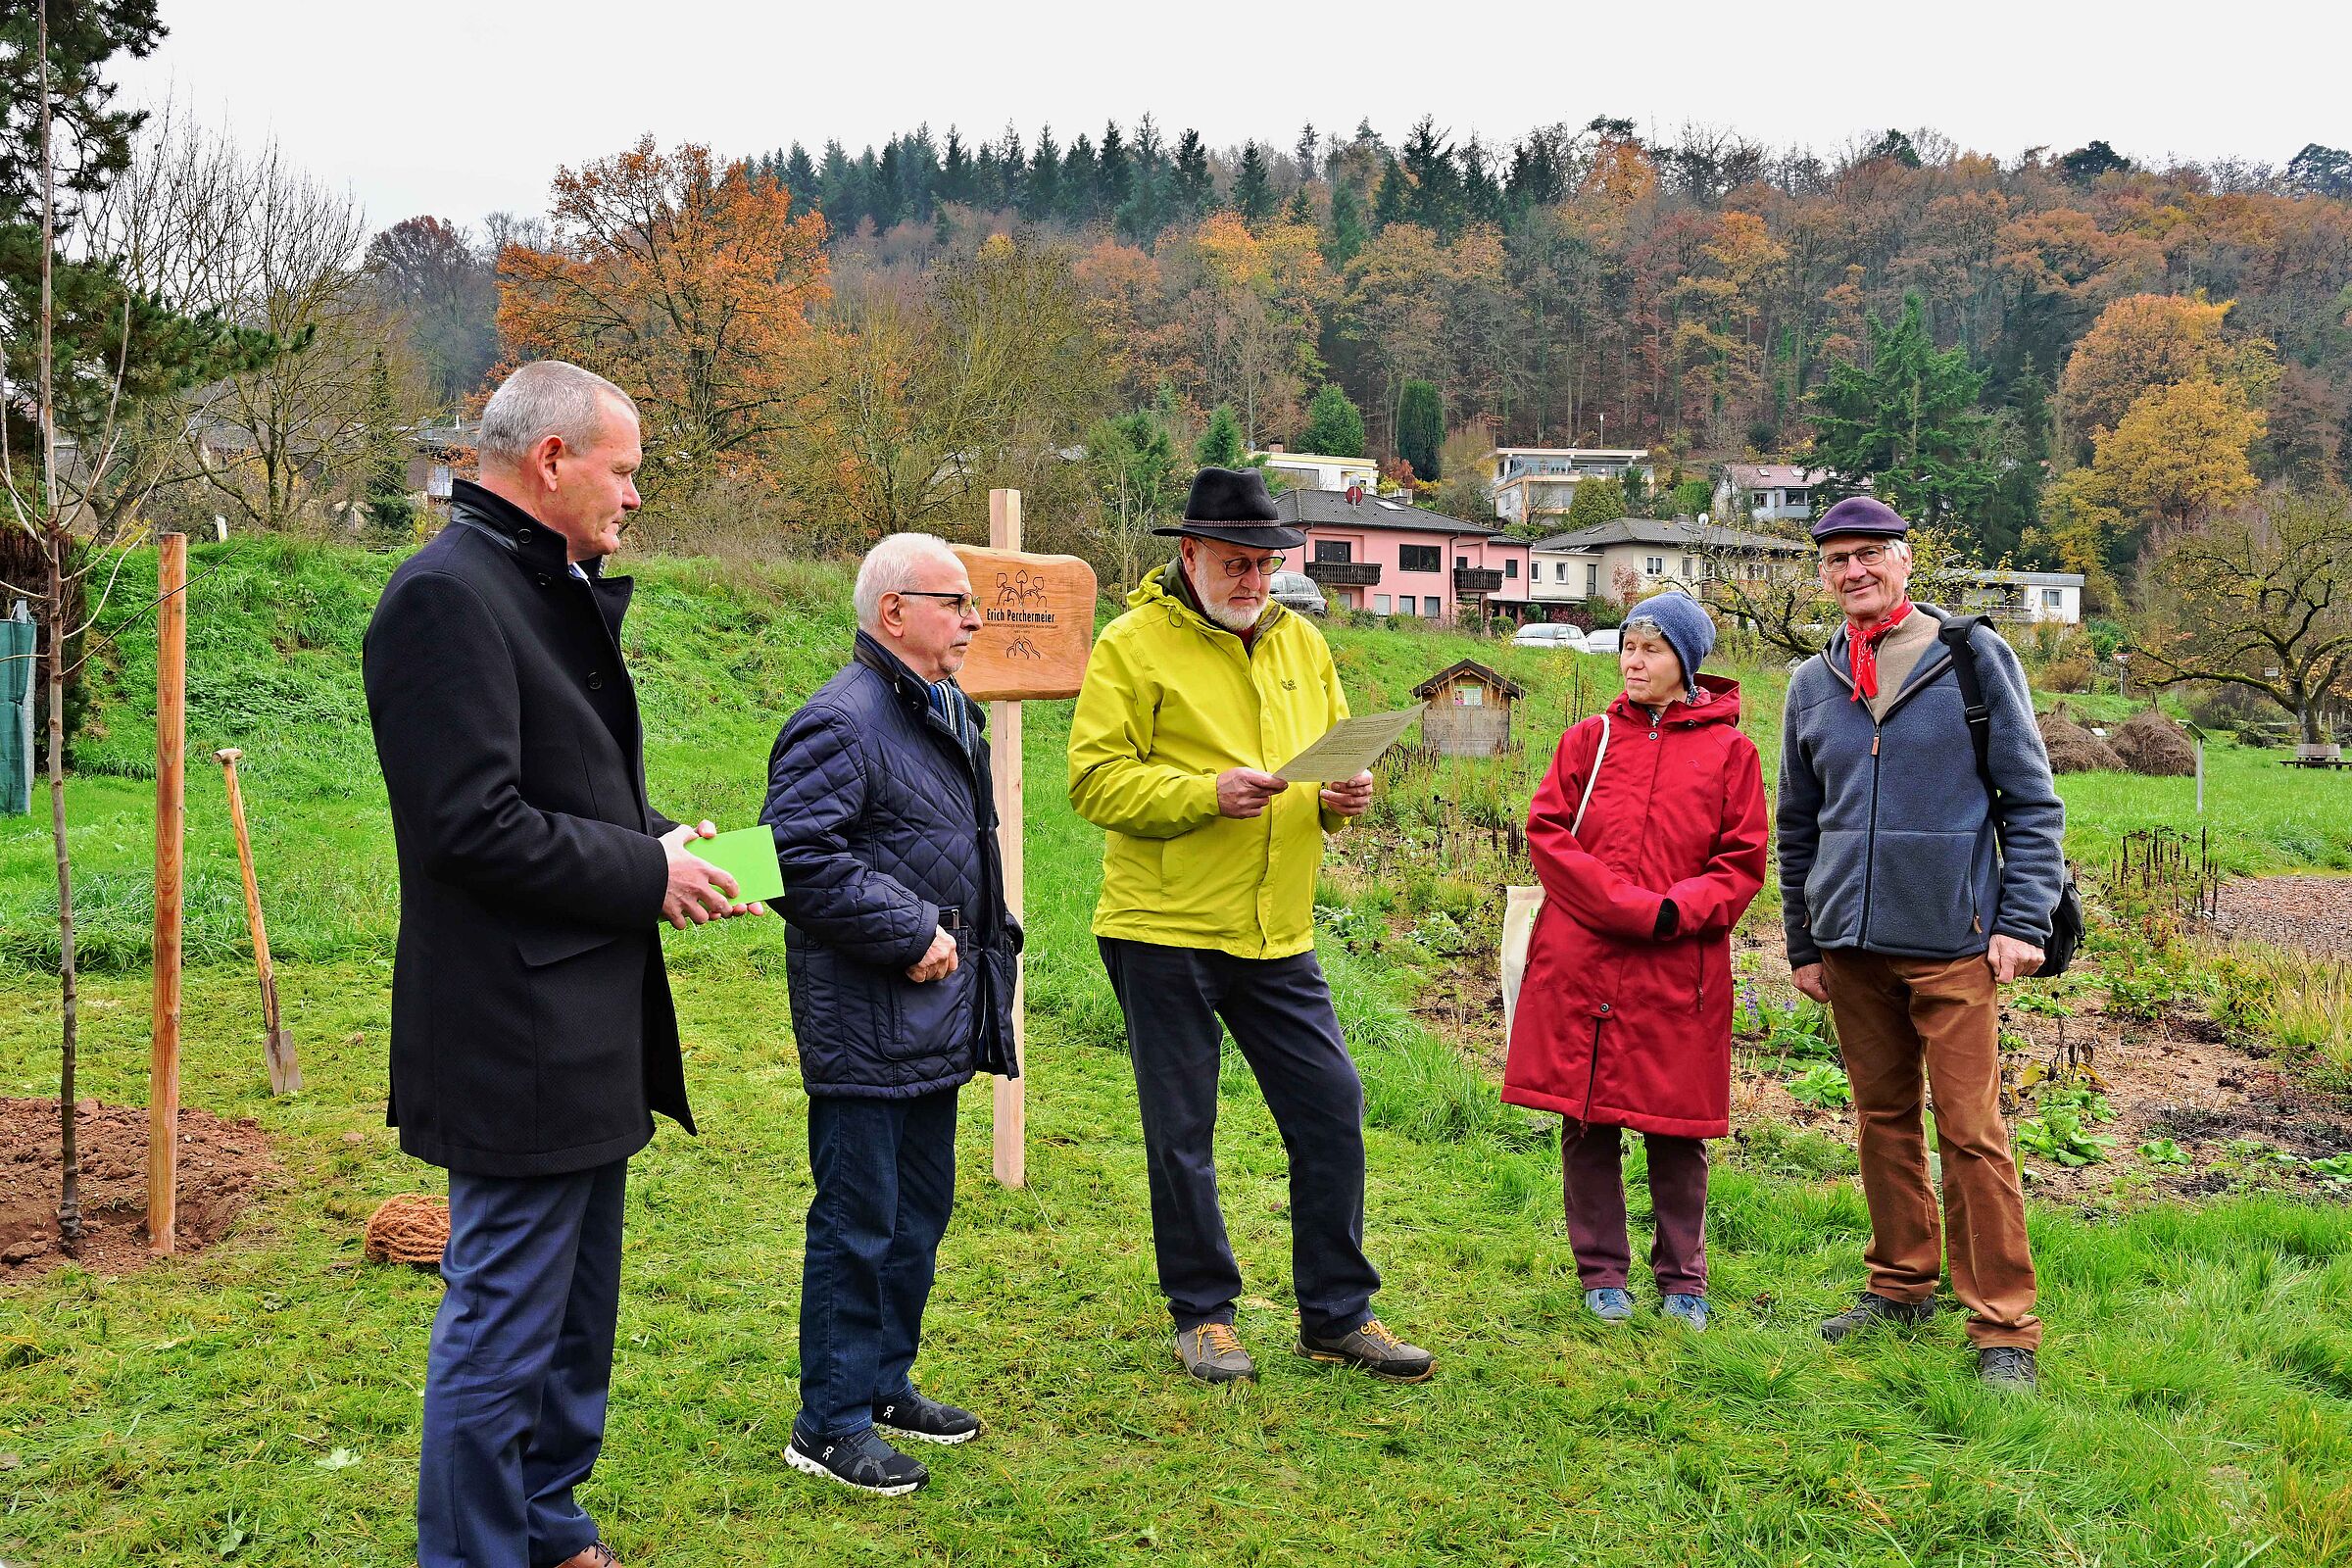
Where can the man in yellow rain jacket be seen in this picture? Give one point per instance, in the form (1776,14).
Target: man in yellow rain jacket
(1208,913)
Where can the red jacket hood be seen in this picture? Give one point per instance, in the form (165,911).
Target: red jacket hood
(1723,710)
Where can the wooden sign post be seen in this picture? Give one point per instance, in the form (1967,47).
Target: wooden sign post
(170,818)
(1037,625)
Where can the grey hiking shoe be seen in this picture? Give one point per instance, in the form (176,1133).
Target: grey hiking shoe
(1690,1310)
(2008,1369)
(1213,1353)
(917,1415)
(1871,1309)
(1610,1304)
(1372,1349)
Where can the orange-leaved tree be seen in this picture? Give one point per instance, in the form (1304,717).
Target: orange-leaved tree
(690,284)
(2146,341)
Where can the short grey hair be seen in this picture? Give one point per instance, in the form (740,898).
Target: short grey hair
(890,567)
(543,398)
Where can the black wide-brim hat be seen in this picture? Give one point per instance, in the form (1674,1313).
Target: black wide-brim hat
(1232,505)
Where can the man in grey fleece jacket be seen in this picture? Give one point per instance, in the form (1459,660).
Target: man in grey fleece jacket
(1904,916)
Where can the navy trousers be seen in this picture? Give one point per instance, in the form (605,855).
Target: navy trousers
(1279,1012)
(885,1173)
(521,1357)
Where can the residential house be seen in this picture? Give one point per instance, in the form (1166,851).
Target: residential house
(1536,482)
(1373,553)
(1316,471)
(2028,596)
(1767,492)
(1631,558)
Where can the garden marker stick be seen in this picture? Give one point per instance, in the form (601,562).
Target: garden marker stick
(171,821)
(285,1069)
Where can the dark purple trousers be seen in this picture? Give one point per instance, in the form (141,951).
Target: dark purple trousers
(1592,1175)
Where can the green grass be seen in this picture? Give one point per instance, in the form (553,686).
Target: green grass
(2198,1406)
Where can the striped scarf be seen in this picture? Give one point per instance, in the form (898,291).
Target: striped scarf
(954,709)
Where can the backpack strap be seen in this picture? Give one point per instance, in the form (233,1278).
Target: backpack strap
(1956,634)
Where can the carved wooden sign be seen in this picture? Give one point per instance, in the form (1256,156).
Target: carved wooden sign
(1037,625)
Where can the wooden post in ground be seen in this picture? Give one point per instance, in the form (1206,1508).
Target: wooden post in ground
(171,817)
(285,1068)
(1011,1143)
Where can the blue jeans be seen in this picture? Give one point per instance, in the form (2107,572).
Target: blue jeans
(1279,1012)
(885,1173)
(521,1357)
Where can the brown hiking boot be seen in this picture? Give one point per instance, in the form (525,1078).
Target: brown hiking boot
(599,1555)
(1213,1353)
(1374,1349)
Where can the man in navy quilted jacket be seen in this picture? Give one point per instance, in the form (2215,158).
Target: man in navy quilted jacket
(901,956)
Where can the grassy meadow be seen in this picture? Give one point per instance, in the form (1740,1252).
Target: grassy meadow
(259,1404)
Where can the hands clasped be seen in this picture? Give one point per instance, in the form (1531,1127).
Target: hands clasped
(698,891)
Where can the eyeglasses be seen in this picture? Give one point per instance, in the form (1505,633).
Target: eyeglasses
(1868,556)
(962,604)
(1243,566)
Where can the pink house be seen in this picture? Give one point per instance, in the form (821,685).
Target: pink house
(1376,554)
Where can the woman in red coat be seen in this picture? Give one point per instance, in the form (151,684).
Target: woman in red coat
(1625,1011)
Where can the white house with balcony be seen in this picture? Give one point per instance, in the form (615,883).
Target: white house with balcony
(1768,492)
(1319,470)
(1541,482)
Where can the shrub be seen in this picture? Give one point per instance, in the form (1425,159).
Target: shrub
(2070,672)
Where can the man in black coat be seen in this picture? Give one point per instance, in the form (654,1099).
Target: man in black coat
(901,956)
(533,1034)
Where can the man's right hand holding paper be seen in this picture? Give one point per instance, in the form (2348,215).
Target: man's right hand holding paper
(1246,792)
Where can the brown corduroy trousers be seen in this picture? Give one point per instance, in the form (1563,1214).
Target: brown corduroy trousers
(1906,1026)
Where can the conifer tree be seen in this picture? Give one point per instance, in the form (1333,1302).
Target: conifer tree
(1335,425)
(1252,189)
(1221,445)
(1420,427)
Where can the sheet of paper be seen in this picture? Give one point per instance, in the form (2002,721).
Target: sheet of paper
(1348,747)
(749,854)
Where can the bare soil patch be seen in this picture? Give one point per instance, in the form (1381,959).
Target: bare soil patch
(2309,914)
(222,1164)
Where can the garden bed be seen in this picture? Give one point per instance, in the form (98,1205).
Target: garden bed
(222,1164)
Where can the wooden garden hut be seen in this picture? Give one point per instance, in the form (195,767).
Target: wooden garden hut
(1469,709)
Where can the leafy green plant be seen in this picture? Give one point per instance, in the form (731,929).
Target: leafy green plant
(2163,1152)
(2336,1169)
(2058,1134)
(1821,1085)
(1804,1030)
(2085,1103)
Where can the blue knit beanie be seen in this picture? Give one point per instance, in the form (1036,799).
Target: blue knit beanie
(1686,627)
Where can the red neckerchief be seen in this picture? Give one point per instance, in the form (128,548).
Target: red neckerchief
(1864,651)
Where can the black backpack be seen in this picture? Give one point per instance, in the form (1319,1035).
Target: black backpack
(2066,921)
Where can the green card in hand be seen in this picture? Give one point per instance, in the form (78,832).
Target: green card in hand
(749,855)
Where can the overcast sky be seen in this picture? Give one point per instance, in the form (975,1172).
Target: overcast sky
(461,110)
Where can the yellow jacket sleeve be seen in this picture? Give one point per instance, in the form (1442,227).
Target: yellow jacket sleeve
(1113,783)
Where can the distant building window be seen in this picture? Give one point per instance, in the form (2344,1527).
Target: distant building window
(1469,695)
(1592,579)
(1380,604)
(1335,550)
(2053,598)
(1686,566)
(1429,608)
(1755,571)
(1797,498)
(1559,571)
(1420,557)
(1511,566)
(1655,566)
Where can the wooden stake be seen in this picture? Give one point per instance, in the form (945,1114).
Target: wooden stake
(1011,1161)
(285,1069)
(170,818)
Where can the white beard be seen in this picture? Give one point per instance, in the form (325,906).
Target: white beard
(1224,615)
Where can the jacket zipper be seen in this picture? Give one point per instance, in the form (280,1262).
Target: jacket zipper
(1870,852)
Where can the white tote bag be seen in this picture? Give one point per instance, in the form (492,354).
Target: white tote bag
(1521,904)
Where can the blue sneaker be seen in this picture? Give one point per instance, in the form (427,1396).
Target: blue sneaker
(1609,1305)
(1690,1309)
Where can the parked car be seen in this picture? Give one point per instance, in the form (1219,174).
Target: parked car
(1550,634)
(1295,590)
(1604,642)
